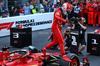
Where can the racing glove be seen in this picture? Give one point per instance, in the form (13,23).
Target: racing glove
(64,21)
(69,21)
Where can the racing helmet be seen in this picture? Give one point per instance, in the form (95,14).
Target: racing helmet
(67,7)
(33,49)
(97,31)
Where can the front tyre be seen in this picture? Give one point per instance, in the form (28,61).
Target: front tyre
(75,60)
(73,57)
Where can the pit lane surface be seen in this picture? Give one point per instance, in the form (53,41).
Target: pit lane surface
(39,40)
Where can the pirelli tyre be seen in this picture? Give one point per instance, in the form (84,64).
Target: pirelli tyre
(73,57)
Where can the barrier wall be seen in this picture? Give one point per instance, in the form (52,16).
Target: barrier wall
(36,21)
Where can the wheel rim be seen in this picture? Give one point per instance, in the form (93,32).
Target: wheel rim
(74,62)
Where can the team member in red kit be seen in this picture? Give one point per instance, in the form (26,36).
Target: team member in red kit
(81,9)
(90,12)
(56,28)
(97,12)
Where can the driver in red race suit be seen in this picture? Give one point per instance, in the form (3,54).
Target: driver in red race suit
(56,28)
(97,13)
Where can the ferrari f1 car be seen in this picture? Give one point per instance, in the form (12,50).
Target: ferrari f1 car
(33,57)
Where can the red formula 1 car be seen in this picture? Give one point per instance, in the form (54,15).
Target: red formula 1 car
(33,57)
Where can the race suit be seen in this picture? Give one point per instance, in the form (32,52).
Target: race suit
(81,10)
(56,29)
(90,13)
(97,13)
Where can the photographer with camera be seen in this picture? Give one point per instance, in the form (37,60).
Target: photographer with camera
(81,28)
(67,36)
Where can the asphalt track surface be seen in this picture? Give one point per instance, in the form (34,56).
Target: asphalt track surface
(39,40)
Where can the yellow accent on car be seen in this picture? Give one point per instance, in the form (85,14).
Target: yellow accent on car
(3,60)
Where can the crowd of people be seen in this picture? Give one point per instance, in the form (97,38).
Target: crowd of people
(87,9)
(82,8)
(26,9)
(17,10)
(48,6)
(30,7)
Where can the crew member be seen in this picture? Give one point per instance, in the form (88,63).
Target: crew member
(81,9)
(90,12)
(56,28)
(97,12)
